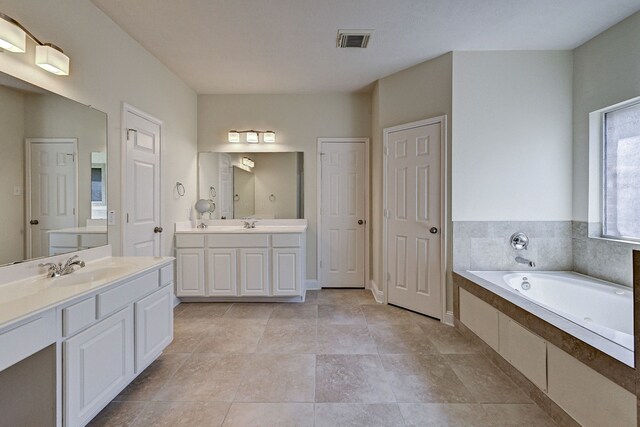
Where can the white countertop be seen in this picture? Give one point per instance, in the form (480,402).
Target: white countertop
(234,226)
(22,298)
(98,229)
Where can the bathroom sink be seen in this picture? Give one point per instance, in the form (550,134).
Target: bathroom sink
(79,276)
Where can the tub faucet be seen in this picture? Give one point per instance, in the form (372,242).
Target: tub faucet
(521,260)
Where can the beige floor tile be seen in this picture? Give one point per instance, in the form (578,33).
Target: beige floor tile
(151,380)
(270,414)
(118,414)
(232,336)
(288,312)
(515,415)
(188,334)
(298,336)
(388,314)
(443,415)
(345,339)
(183,414)
(340,314)
(401,338)
(358,415)
(342,296)
(278,378)
(256,311)
(425,378)
(485,381)
(351,379)
(448,340)
(206,377)
(202,310)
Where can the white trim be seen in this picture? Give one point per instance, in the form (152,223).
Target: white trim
(378,295)
(27,184)
(311,285)
(444,222)
(127,108)
(448,318)
(367,222)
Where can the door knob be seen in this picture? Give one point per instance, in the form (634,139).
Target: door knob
(157,230)
(360,222)
(34,222)
(433,230)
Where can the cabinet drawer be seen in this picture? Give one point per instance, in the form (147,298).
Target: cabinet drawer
(116,298)
(285,240)
(29,337)
(166,274)
(93,240)
(189,241)
(78,316)
(68,240)
(238,241)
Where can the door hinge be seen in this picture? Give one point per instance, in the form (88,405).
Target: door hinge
(74,211)
(386,213)
(388,277)
(386,151)
(320,264)
(129,131)
(127,218)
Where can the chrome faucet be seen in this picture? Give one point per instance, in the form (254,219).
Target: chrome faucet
(247,224)
(56,270)
(525,261)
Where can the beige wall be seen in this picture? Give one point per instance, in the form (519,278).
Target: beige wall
(298,121)
(606,70)
(512,136)
(417,93)
(12,167)
(108,68)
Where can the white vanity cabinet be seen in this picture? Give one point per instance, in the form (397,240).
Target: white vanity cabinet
(244,264)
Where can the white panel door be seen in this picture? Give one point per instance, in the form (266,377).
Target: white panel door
(221,269)
(153,326)
(254,272)
(287,277)
(190,272)
(414,219)
(142,187)
(52,187)
(225,191)
(342,212)
(98,364)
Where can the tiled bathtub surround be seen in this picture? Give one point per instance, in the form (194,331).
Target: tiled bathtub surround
(604,259)
(484,245)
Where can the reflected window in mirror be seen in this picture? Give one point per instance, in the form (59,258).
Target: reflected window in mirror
(98,185)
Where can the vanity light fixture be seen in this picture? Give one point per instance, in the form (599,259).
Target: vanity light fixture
(252,136)
(248,162)
(48,56)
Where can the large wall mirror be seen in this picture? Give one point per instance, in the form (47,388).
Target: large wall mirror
(53,196)
(252,185)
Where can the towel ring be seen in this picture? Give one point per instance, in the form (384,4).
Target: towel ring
(272,198)
(212,192)
(180,189)
(236,197)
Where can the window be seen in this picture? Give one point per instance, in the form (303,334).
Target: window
(621,173)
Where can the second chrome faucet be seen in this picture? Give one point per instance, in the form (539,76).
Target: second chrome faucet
(56,270)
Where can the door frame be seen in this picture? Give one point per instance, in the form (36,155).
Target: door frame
(367,196)
(27,183)
(444,199)
(128,108)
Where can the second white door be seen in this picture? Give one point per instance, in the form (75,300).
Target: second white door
(342,212)
(413,211)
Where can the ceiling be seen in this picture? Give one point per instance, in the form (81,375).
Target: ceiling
(288,46)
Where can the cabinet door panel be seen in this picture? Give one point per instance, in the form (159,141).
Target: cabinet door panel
(254,272)
(98,364)
(221,272)
(154,326)
(287,274)
(190,272)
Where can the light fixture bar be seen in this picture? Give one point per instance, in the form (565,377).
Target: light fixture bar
(252,136)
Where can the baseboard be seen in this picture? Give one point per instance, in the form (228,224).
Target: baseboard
(448,318)
(312,285)
(377,293)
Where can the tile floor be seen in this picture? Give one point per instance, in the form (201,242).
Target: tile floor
(339,359)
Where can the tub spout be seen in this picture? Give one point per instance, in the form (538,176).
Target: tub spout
(521,260)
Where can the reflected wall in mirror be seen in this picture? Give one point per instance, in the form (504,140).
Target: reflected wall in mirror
(253,185)
(53,198)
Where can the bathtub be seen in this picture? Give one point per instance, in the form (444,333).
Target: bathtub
(601,307)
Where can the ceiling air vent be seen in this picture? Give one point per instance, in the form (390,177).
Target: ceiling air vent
(353,38)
